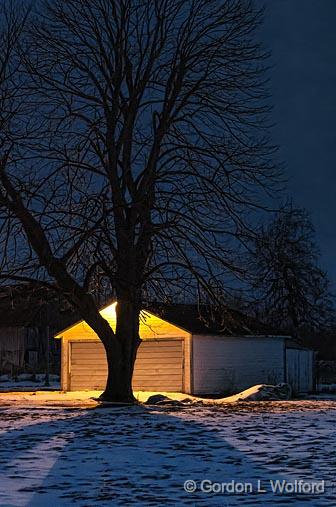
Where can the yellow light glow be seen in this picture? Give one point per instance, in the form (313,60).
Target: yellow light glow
(151,327)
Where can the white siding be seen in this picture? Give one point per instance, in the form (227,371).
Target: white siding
(299,370)
(231,364)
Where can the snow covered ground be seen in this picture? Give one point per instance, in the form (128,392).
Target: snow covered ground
(92,456)
(27,381)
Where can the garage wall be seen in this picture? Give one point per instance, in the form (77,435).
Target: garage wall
(159,365)
(229,365)
(300,370)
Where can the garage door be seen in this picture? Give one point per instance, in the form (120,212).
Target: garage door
(159,366)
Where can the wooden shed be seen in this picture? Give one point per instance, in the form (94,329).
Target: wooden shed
(181,353)
(29,318)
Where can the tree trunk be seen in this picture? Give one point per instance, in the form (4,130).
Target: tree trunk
(121,354)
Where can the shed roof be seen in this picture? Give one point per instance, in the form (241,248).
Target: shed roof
(26,305)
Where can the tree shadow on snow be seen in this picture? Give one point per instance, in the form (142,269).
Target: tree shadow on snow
(128,456)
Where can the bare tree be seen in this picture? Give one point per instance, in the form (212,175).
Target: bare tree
(291,288)
(147,153)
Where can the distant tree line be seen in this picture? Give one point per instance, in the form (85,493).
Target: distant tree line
(291,291)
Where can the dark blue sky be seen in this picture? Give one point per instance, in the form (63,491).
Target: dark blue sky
(302,37)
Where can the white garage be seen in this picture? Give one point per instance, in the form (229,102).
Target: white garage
(180,353)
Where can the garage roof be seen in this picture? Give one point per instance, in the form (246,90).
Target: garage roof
(205,319)
(25,305)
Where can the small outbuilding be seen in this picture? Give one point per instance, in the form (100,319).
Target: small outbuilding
(29,318)
(181,352)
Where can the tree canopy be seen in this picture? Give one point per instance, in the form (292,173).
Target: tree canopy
(134,151)
(292,289)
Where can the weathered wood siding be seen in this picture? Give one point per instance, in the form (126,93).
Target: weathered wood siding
(300,370)
(231,364)
(159,366)
(12,349)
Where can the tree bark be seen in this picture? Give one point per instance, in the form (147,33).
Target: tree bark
(121,354)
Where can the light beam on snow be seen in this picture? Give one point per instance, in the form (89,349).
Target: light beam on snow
(29,471)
